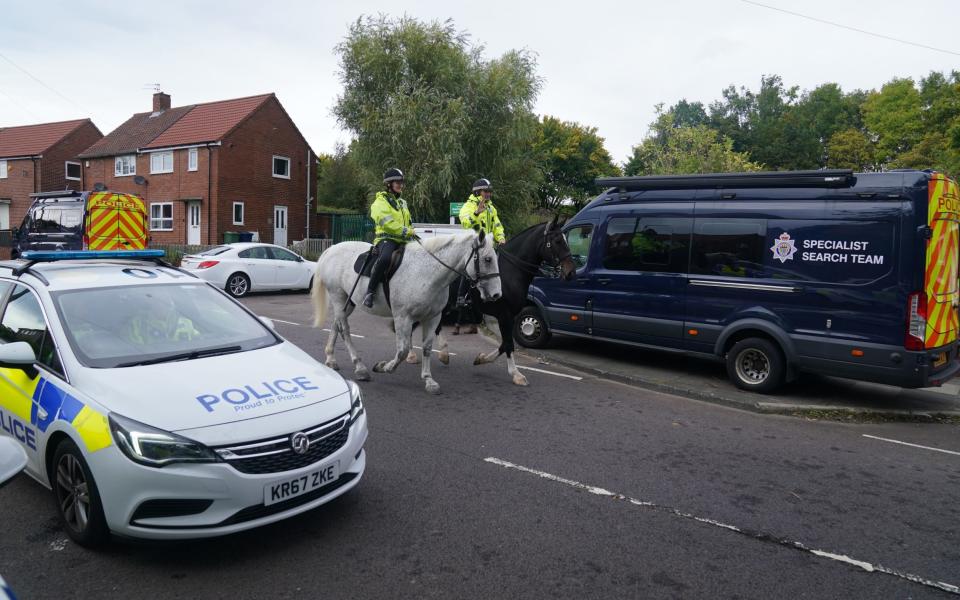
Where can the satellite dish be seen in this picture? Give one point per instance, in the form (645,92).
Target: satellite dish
(139,180)
(99,187)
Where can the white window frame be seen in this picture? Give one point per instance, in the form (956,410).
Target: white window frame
(128,160)
(193,159)
(273,166)
(3,169)
(66,170)
(161,218)
(161,158)
(243,213)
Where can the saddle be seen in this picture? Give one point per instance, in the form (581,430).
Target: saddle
(364,265)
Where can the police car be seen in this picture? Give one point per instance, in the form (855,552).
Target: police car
(155,406)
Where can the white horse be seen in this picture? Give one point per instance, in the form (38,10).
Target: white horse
(418,293)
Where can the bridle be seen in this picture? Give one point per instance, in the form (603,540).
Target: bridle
(474,256)
(552,269)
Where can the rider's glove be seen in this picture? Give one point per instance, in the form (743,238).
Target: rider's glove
(404,233)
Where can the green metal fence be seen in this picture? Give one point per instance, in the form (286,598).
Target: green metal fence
(356,227)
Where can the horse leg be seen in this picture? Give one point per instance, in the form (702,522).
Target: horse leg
(360,371)
(442,343)
(329,349)
(404,343)
(413,358)
(506,333)
(483,359)
(428,334)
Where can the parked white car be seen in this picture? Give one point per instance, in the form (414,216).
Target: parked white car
(155,406)
(242,268)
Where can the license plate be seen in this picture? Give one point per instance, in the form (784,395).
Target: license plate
(940,360)
(297,486)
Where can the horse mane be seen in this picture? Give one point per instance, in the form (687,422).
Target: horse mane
(435,244)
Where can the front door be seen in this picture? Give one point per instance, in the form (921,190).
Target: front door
(280,225)
(193,223)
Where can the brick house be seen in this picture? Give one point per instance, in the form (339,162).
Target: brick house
(40,158)
(206,169)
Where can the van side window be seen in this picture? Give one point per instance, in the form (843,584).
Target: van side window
(652,245)
(730,247)
(23,322)
(578,239)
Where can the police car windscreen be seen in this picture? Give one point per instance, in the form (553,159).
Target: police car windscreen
(127,325)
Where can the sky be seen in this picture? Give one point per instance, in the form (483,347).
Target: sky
(604,64)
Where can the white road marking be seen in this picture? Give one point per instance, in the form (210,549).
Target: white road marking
(351,335)
(435,350)
(757,535)
(574,377)
(282,321)
(873,437)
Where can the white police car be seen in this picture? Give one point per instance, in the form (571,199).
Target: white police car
(157,407)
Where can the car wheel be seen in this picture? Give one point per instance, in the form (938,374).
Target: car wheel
(78,499)
(530,329)
(309,286)
(756,365)
(238,285)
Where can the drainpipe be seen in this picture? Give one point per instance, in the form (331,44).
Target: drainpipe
(308,193)
(36,175)
(209,194)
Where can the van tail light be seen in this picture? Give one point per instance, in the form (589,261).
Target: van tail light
(916,321)
(86,241)
(208,263)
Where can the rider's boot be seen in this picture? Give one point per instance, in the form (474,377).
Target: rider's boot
(368,299)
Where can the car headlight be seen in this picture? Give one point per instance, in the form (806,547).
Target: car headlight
(154,447)
(356,402)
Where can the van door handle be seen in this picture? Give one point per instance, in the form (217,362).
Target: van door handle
(603,280)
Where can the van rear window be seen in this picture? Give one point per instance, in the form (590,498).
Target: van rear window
(729,247)
(57,219)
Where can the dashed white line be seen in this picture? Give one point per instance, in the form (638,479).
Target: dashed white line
(574,377)
(420,348)
(873,437)
(757,535)
(282,321)
(351,335)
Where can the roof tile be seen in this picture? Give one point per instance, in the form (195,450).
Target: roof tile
(208,122)
(33,140)
(138,131)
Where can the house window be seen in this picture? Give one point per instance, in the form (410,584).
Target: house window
(3,169)
(125,165)
(192,159)
(238,213)
(161,162)
(281,167)
(73,170)
(161,216)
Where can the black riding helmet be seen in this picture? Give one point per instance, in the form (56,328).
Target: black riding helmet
(482,185)
(393,175)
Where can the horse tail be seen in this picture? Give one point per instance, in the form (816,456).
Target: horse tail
(319,296)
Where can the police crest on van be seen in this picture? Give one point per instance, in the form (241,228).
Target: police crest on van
(783,248)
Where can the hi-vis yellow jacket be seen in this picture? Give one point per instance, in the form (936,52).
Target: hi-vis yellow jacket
(487,220)
(392,219)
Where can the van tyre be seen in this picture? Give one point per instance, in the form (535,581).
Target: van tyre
(756,365)
(78,499)
(238,285)
(530,330)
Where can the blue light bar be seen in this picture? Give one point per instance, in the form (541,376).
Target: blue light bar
(38,255)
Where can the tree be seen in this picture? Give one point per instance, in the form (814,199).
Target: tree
(851,149)
(419,96)
(340,182)
(894,115)
(680,150)
(571,156)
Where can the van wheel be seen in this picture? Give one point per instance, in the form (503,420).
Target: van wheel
(756,365)
(78,499)
(238,285)
(530,329)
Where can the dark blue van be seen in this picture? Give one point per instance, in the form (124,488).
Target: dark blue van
(850,275)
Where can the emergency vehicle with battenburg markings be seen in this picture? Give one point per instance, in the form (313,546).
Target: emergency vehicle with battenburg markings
(156,406)
(775,273)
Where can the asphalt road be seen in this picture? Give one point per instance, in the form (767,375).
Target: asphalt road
(573,487)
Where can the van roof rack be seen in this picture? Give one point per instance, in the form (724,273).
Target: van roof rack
(57,194)
(827,178)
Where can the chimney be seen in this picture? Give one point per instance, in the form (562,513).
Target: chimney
(161,102)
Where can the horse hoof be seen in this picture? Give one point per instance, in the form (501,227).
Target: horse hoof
(413,359)
(445,358)
(333,364)
(519,379)
(473,329)
(480,359)
(432,387)
(361,373)
(380,367)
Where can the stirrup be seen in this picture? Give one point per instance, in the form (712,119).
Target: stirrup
(368,300)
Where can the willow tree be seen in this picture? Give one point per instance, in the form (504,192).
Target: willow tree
(421,97)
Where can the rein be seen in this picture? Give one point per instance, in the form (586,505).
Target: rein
(474,255)
(536,268)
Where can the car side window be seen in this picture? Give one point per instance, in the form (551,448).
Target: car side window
(578,240)
(23,321)
(255,252)
(281,254)
(729,247)
(641,244)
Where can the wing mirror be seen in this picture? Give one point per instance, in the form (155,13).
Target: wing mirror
(17,355)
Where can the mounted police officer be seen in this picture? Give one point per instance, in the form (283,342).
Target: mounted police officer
(479,213)
(393,228)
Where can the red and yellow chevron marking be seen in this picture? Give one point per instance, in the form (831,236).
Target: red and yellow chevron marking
(943,217)
(116,222)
